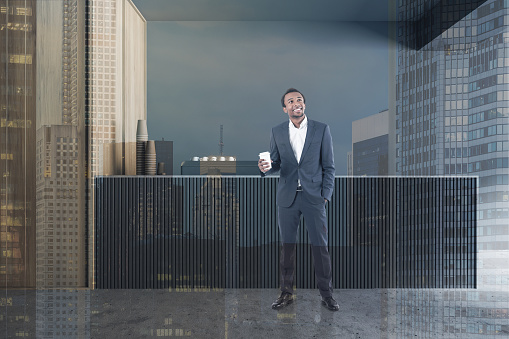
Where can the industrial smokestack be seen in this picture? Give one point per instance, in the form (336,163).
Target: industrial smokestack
(141,141)
(150,158)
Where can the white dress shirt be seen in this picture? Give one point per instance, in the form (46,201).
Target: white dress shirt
(298,138)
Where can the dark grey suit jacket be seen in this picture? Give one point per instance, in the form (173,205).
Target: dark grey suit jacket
(315,169)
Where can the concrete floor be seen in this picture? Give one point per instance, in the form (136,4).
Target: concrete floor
(247,313)
(233,314)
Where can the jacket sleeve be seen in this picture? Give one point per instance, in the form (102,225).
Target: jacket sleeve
(274,156)
(328,167)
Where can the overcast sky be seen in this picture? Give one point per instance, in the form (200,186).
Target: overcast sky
(202,74)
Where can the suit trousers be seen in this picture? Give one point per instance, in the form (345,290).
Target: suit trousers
(316,224)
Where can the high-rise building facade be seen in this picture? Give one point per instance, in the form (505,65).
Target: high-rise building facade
(164,154)
(17,142)
(115,73)
(73,78)
(91,76)
(60,145)
(452,109)
(370,145)
(60,208)
(115,100)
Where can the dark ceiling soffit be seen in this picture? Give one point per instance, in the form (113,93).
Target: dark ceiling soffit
(437,20)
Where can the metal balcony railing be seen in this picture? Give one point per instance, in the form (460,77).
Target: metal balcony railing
(206,231)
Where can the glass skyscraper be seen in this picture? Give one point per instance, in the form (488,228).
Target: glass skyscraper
(452,109)
(450,117)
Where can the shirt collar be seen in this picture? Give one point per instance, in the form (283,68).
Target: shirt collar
(303,124)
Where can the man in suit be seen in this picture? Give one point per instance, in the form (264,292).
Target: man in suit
(301,150)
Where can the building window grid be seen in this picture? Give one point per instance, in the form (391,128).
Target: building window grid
(399,86)
(405,169)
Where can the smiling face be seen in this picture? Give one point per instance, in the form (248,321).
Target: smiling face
(294,106)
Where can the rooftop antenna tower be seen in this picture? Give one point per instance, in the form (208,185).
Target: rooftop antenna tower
(221,144)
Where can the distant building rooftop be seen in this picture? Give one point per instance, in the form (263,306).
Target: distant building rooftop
(219,165)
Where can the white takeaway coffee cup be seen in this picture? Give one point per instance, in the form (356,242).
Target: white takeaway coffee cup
(265,156)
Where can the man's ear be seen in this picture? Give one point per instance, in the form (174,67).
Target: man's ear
(285,110)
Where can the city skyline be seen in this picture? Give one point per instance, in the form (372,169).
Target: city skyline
(204,74)
(75,79)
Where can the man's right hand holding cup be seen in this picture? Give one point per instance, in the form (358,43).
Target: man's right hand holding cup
(264,164)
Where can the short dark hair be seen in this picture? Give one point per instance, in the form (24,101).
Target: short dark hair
(291,90)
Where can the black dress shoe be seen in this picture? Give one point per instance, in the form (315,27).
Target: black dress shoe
(330,303)
(284,299)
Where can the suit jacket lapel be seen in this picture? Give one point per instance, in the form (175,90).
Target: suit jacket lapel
(309,136)
(285,133)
